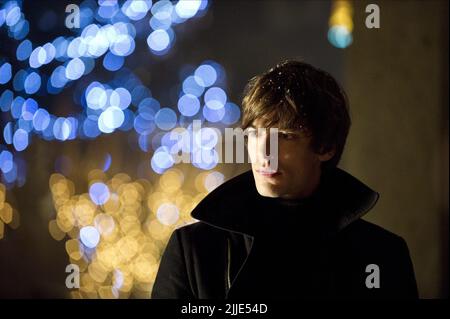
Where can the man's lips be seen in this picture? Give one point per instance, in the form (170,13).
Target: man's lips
(268,173)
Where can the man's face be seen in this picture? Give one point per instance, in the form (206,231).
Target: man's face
(298,171)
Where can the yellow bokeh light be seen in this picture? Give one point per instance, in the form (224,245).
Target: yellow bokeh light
(74,249)
(112,205)
(171,180)
(130,225)
(107,292)
(55,231)
(65,218)
(105,224)
(84,212)
(200,182)
(341,15)
(118,180)
(6,213)
(134,224)
(155,200)
(96,175)
(127,248)
(2,194)
(97,271)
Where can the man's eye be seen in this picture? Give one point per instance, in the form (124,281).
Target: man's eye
(286,136)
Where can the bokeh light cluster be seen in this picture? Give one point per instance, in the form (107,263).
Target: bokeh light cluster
(117,230)
(341,24)
(108,31)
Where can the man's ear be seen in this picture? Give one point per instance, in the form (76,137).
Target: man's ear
(326,156)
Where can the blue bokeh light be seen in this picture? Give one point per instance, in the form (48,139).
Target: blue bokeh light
(41,119)
(62,129)
(112,62)
(166,119)
(123,45)
(20,139)
(37,57)
(144,124)
(207,74)
(99,193)
(232,114)
(136,10)
(144,142)
(107,9)
(161,160)
(212,115)
(96,96)
(32,83)
(29,107)
(58,78)
(73,127)
(160,24)
(6,161)
(50,52)
(2,16)
(121,98)
(24,50)
(5,100)
(162,10)
(128,121)
(20,30)
(89,236)
(110,119)
(13,15)
(215,98)
(108,161)
(19,79)
(5,73)
(75,69)
(16,107)
(339,36)
(191,86)
(90,127)
(187,8)
(148,107)
(188,105)
(139,93)
(60,44)
(158,40)
(27,126)
(8,133)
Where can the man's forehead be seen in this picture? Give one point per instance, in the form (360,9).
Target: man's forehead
(267,123)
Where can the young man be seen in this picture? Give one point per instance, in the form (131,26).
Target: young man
(294,229)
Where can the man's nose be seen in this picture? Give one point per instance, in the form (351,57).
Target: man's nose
(264,147)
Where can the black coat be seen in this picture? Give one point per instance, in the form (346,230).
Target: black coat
(324,253)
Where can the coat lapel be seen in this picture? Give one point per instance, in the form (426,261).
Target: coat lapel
(231,207)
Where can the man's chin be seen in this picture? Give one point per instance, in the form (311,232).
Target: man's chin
(267,191)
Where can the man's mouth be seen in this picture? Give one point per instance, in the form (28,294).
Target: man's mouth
(268,172)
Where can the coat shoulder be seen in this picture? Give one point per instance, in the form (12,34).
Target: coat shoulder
(371,236)
(197,232)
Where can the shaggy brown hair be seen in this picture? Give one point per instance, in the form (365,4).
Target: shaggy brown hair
(297,96)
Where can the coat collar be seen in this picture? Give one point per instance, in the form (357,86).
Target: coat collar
(233,205)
